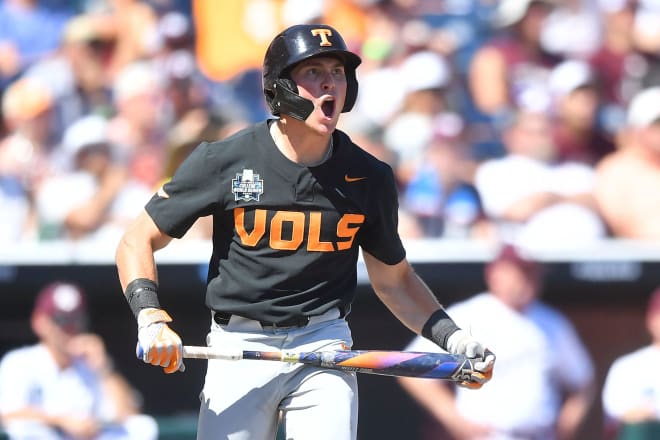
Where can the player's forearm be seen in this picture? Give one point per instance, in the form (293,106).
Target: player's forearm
(135,253)
(124,398)
(524,209)
(414,303)
(91,214)
(30,413)
(134,260)
(402,292)
(573,412)
(88,216)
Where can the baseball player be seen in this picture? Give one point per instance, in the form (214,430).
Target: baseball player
(293,200)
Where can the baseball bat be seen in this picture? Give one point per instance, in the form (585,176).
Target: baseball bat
(457,368)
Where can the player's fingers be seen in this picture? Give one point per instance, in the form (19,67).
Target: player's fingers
(489,356)
(174,351)
(164,356)
(171,369)
(161,347)
(470,385)
(174,365)
(160,354)
(480,377)
(170,366)
(181,368)
(476,380)
(168,356)
(474,350)
(155,355)
(486,365)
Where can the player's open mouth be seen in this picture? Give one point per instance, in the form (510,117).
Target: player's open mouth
(328,108)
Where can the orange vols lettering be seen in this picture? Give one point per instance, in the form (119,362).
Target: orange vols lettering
(347,228)
(250,239)
(297,220)
(314,242)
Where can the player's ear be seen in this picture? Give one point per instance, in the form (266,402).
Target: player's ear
(40,324)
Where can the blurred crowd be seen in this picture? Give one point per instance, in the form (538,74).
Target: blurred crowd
(64,385)
(536,120)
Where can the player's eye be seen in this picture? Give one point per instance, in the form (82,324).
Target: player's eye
(338,72)
(312,72)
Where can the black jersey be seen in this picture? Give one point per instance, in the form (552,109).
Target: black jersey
(286,236)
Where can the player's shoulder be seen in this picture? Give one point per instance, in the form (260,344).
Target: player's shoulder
(547,311)
(259,129)
(619,164)
(642,356)
(23,357)
(239,142)
(356,157)
(550,318)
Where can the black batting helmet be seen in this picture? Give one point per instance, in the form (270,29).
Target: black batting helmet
(293,45)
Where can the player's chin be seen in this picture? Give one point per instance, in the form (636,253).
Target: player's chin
(322,125)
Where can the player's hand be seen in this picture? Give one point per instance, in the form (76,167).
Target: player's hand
(91,349)
(157,343)
(483,360)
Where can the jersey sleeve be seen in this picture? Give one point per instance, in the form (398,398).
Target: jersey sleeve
(381,237)
(189,195)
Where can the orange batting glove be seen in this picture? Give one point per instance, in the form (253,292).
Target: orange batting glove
(157,343)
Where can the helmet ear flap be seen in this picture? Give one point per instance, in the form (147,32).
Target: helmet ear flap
(287,100)
(351,90)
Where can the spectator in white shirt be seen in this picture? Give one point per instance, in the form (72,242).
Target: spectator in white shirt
(630,396)
(533,394)
(97,199)
(64,386)
(533,198)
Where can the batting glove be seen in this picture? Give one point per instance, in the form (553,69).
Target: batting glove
(158,344)
(483,360)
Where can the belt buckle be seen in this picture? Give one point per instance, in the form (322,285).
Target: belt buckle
(301,321)
(221,318)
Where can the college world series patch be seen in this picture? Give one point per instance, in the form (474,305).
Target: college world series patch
(247,186)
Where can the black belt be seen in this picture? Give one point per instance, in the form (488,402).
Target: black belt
(223,318)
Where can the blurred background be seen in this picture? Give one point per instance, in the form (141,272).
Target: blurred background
(527,121)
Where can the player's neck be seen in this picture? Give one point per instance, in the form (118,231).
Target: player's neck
(300,144)
(61,358)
